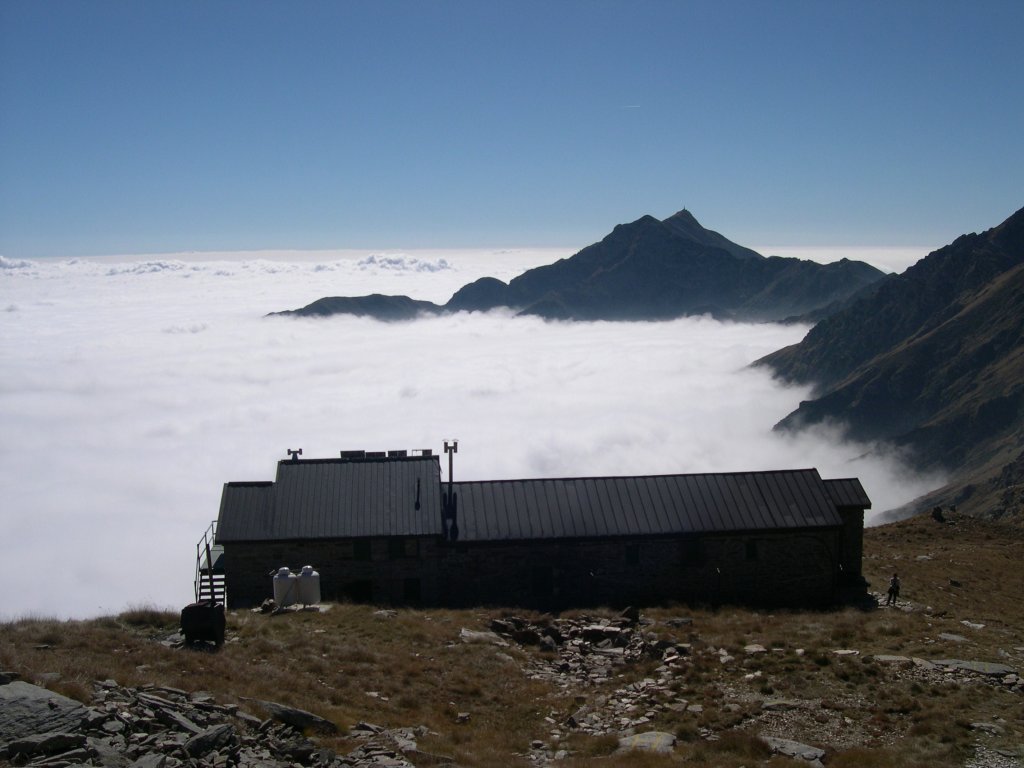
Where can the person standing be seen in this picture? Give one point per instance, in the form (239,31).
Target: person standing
(894,590)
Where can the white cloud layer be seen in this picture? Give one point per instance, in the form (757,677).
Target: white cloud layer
(134,389)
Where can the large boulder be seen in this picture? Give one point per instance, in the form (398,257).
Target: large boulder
(26,710)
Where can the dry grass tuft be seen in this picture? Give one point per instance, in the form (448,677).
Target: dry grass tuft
(742,745)
(151,617)
(585,747)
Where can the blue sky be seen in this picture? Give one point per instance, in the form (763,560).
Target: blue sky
(139,127)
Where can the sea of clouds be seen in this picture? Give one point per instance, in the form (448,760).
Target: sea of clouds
(134,388)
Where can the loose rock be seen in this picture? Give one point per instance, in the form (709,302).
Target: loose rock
(651,741)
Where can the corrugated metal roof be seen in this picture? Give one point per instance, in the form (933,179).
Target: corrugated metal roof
(640,506)
(244,507)
(848,492)
(359,497)
(336,498)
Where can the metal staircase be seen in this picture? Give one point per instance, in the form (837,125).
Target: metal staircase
(209,581)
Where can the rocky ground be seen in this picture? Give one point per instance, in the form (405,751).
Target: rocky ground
(586,657)
(586,654)
(934,681)
(157,727)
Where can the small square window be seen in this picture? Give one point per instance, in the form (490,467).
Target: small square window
(359,591)
(692,553)
(396,549)
(411,591)
(361,549)
(632,554)
(346,550)
(542,581)
(399,547)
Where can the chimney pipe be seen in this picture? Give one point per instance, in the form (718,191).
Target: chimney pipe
(451,449)
(450,505)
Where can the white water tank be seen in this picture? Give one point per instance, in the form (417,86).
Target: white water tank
(309,586)
(286,590)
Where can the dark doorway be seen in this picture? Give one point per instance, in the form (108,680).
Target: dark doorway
(411,591)
(359,591)
(542,582)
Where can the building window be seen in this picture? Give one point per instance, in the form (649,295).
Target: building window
(411,591)
(399,547)
(359,591)
(692,553)
(632,554)
(361,550)
(542,581)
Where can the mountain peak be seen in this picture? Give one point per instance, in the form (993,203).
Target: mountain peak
(684,217)
(685,224)
(644,270)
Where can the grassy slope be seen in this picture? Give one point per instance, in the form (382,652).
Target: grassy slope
(349,664)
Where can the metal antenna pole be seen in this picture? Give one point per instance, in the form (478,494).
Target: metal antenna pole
(448,505)
(451,449)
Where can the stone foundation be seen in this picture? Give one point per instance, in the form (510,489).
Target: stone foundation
(798,569)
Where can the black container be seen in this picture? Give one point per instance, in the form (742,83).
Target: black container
(203,621)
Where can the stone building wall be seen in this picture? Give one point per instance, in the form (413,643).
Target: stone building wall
(853,542)
(765,568)
(379,570)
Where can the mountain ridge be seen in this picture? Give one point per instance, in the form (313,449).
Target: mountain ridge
(644,270)
(932,362)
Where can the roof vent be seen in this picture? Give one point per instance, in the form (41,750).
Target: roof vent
(294,454)
(397,454)
(353,454)
(376,455)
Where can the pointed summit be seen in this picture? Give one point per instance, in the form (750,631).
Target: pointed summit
(685,218)
(649,270)
(686,225)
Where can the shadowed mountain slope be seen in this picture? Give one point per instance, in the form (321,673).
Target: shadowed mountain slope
(377,306)
(932,361)
(650,270)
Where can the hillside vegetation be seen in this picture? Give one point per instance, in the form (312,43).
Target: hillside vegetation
(862,685)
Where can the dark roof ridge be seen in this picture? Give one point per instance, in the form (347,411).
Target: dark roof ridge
(248,483)
(647,477)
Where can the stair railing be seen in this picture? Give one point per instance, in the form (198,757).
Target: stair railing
(204,555)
